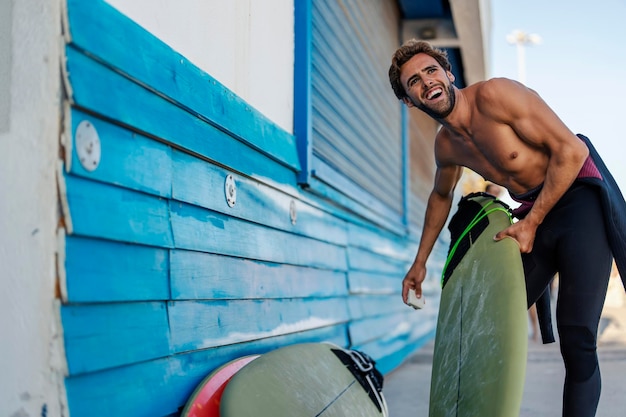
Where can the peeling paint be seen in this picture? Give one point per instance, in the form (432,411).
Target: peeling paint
(308,324)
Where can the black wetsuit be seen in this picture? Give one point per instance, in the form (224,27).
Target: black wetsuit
(574,241)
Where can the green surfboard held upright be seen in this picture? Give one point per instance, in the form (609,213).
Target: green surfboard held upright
(481,343)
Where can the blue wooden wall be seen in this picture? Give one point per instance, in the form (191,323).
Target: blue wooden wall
(164,281)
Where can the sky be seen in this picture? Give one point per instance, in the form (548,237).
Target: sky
(579,68)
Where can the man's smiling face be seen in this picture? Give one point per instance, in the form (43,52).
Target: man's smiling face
(428,86)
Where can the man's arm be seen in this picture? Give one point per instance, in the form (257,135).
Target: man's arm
(536,124)
(437,211)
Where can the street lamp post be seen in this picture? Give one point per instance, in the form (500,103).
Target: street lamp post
(521,39)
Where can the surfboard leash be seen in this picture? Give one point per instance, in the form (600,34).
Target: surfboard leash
(482,213)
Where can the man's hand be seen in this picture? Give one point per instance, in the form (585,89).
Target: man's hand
(413,280)
(523,232)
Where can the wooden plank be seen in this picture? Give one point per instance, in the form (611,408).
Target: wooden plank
(392,359)
(363,260)
(106,211)
(204,324)
(104,271)
(379,327)
(197,275)
(362,306)
(389,352)
(406,332)
(198,229)
(167,73)
(198,182)
(380,241)
(127,158)
(103,336)
(374,283)
(380,348)
(120,99)
(160,387)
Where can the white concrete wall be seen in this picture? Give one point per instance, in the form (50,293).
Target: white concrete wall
(247,45)
(29,135)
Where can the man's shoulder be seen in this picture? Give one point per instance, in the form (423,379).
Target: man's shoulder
(493,86)
(443,134)
(443,143)
(495,94)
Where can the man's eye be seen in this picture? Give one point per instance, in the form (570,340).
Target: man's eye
(412,82)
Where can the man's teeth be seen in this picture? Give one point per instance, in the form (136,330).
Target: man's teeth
(434,93)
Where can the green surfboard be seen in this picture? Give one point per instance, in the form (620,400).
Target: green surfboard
(305,380)
(481,342)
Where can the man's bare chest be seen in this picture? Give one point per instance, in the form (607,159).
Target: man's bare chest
(489,149)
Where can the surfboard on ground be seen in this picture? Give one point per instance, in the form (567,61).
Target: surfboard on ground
(205,400)
(481,340)
(308,379)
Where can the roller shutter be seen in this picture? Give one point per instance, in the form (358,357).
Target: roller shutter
(356,119)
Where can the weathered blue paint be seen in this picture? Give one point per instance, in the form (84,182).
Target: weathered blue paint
(127,102)
(372,305)
(164,281)
(198,275)
(363,260)
(159,387)
(103,336)
(198,229)
(130,160)
(377,240)
(406,166)
(391,352)
(372,282)
(106,211)
(204,324)
(202,184)
(168,74)
(379,327)
(105,271)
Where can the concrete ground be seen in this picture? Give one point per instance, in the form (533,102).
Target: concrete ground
(407,388)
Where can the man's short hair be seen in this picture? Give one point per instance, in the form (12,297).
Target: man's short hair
(407,51)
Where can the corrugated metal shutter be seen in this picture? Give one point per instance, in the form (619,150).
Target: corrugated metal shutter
(356,119)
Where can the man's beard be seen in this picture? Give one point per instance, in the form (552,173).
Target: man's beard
(439,114)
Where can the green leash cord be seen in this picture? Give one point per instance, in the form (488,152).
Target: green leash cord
(481,215)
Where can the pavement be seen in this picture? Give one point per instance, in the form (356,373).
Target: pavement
(406,389)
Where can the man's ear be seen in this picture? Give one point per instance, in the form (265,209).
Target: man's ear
(408,102)
(450,76)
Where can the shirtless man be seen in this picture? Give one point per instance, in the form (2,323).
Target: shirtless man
(505,132)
